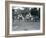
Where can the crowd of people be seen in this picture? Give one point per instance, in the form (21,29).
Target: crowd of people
(27,17)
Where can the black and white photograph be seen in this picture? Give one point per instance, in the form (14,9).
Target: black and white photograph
(25,18)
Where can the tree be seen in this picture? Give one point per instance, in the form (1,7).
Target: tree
(39,12)
(34,11)
(25,11)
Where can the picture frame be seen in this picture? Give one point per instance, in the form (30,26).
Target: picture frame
(8,19)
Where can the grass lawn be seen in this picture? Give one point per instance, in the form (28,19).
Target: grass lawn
(25,26)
